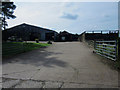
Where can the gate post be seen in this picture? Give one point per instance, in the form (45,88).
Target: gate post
(94,51)
(94,44)
(118,49)
(118,46)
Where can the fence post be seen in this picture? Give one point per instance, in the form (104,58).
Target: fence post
(94,51)
(83,37)
(116,49)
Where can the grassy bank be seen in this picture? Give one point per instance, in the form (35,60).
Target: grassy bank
(13,48)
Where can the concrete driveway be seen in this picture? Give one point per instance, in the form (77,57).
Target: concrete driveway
(61,65)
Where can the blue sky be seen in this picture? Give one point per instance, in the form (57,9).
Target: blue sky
(74,17)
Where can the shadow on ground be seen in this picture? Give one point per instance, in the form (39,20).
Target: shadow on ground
(37,58)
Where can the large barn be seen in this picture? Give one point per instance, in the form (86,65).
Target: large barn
(29,32)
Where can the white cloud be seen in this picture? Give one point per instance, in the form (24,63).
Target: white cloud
(105,15)
(69,16)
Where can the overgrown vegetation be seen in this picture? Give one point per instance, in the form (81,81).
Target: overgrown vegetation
(13,48)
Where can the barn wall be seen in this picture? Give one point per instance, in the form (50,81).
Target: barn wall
(26,32)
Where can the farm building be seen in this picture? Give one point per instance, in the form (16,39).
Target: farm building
(99,35)
(29,32)
(66,36)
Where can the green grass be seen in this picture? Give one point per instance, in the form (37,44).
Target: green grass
(32,46)
(12,48)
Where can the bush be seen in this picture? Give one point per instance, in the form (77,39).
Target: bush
(49,42)
(37,40)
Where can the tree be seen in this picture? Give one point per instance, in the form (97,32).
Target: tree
(7,12)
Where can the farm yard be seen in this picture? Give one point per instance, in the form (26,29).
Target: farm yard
(61,65)
(60,45)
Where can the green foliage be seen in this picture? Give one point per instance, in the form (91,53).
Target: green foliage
(49,42)
(7,12)
(37,40)
(32,46)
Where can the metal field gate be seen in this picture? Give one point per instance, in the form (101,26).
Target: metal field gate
(107,49)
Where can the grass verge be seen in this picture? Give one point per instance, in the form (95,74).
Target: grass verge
(13,48)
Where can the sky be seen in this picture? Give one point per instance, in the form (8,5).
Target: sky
(74,17)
